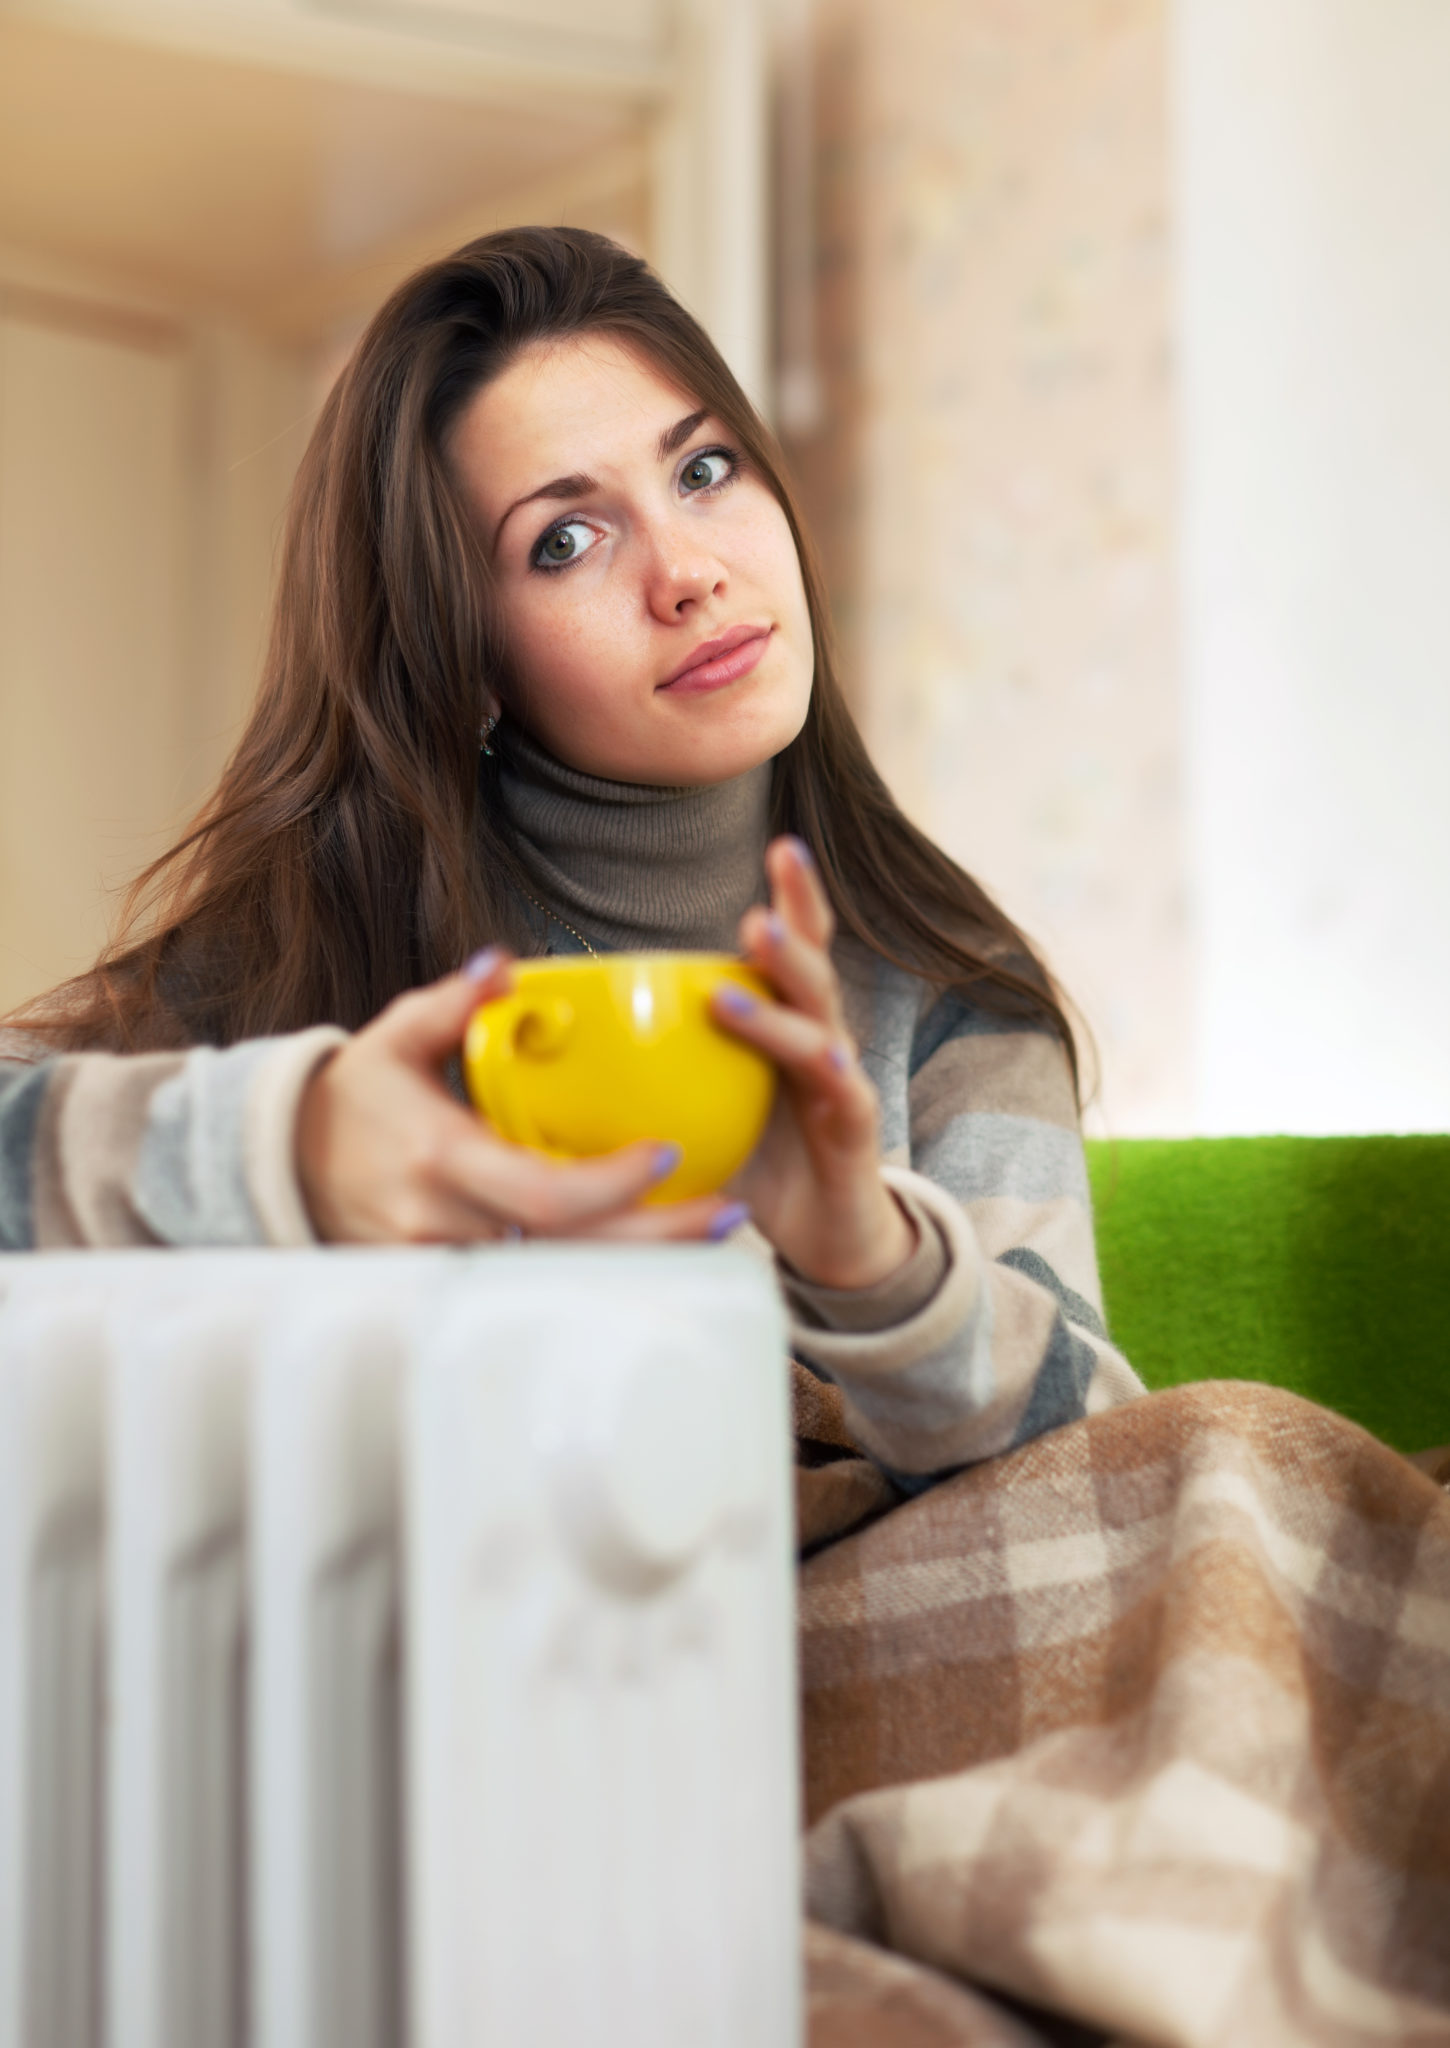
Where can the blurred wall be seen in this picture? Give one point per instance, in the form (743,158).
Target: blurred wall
(92,580)
(993,473)
(1130,455)
(1315,179)
(144,462)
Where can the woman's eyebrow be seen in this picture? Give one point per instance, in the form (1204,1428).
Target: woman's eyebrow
(676,436)
(579,485)
(576,486)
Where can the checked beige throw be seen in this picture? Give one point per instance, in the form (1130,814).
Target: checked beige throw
(1144,1728)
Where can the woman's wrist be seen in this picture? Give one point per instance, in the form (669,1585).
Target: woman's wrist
(855,1253)
(313,1143)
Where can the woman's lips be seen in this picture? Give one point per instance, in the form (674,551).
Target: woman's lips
(721,661)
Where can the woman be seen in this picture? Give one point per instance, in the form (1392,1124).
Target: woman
(550,670)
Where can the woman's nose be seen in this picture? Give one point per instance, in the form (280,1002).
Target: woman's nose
(682,572)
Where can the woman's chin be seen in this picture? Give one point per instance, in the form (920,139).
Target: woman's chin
(721,753)
(676,752)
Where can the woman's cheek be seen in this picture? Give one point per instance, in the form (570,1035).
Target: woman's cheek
(571,653)
(546,636)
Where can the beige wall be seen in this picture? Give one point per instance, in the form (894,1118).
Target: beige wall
(144,465)
(92,605)
(994,475)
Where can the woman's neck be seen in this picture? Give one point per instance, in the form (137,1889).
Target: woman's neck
(629,866)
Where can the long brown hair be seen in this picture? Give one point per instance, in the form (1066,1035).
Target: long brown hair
(351,850)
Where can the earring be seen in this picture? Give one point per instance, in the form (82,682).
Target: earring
(485,732)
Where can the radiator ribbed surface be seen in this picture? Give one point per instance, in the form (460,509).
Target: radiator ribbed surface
(395,1648)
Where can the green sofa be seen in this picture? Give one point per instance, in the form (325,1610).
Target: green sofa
(1321,1264)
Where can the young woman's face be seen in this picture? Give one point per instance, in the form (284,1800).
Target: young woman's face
(651,593)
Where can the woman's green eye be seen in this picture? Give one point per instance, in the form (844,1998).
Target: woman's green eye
(703,470)
(564,544)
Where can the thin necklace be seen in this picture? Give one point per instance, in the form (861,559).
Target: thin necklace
(555,917)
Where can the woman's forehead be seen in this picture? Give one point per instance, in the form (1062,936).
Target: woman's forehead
(585,403)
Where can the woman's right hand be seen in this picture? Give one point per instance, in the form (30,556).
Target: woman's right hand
(386,1155)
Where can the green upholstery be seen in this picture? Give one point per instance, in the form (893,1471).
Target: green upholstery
(1321,1264)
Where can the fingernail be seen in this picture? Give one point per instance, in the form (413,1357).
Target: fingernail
(481,965)
(775,927)
(802,852)
(839,1058)
(667,1158)
(740,1000)
(727,1219)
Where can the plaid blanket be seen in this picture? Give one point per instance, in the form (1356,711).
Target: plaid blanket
(1147,1725)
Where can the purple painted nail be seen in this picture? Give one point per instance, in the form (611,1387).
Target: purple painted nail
(740,1000)
(839,1057)
(482,964)
(801,851)
(667,1158)
(775,926)
(727,1219)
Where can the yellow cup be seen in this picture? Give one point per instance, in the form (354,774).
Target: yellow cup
(585,1055)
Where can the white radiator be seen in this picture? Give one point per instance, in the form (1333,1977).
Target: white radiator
(396,1648)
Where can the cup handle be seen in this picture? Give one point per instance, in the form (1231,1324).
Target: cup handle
(542,1029)
(503,1035)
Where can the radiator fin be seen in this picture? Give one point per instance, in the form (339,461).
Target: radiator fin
(357,1793)
(204,1781)
(64,1788)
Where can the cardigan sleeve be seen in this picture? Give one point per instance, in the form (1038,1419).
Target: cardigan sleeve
(176,1148)
(1009,1339)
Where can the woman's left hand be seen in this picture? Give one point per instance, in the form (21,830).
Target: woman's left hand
(814,1184)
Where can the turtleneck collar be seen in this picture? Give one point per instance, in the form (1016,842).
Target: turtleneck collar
(632,866)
